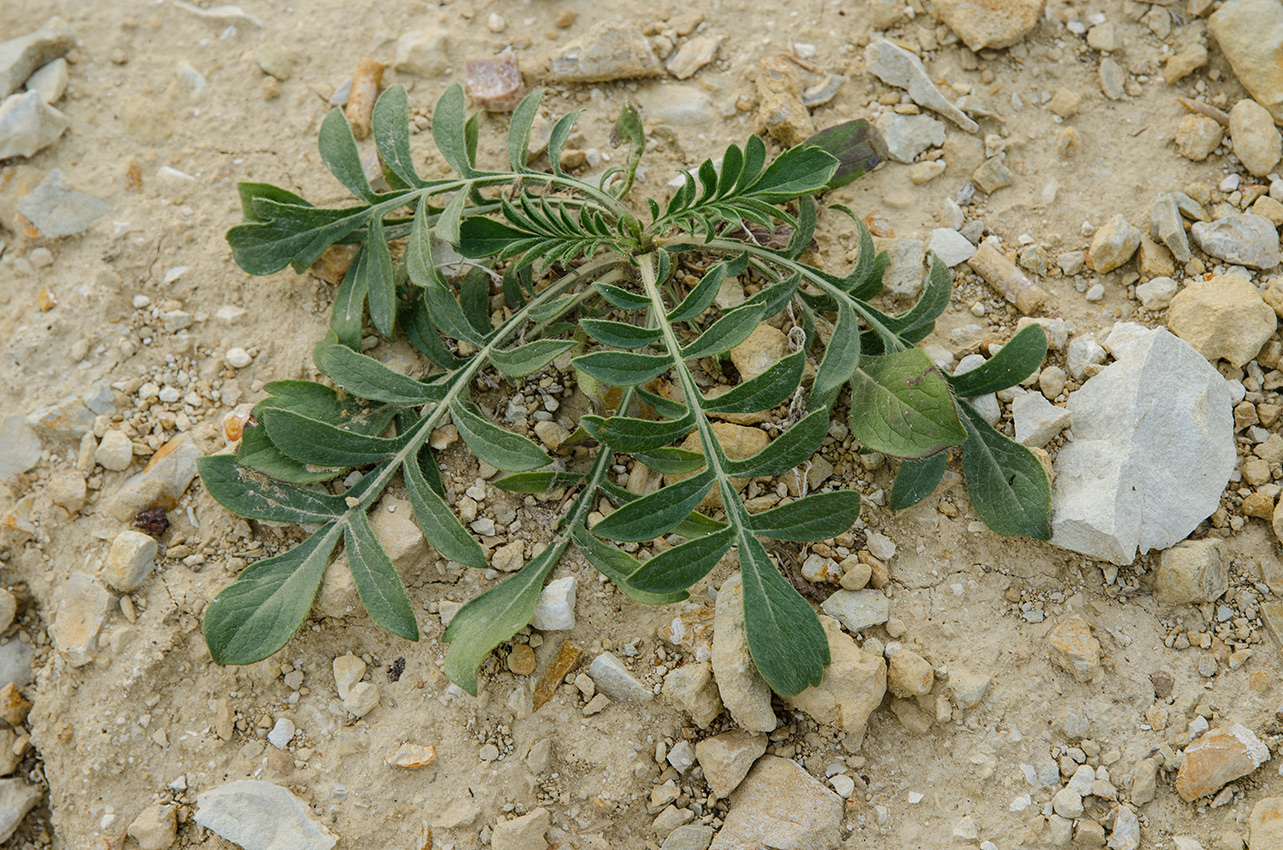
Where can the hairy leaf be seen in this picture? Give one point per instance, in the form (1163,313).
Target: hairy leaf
(321,444)
(1017,360)
(625,434)
(617,566)
(786,640)
(376,579)
(449,132)
(901,406)
(497,447)
(257,615)
(787,450)
(619,334)
(440,526)
(494,617)
(857,146)
(529,358)
(1008,485)
(810,519)
(390,126)
(701,297)
(774,386)
(676,569)
(259,453)
(621,368)
(917,479)
(726,333)
(339,153)
(650,516)
(256,497)
(368,378)
(841,355)
(523,118)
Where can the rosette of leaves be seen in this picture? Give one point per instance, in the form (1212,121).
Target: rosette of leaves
(578,272)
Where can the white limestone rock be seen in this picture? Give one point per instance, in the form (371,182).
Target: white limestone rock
(1153,450)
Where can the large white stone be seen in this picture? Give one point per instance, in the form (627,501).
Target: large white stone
(613,679)
(1037,420)
(259,815)
(555,610)
(1153,449)
(28,125)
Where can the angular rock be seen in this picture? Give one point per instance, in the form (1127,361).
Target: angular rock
(50,81)
(82,610)
(608,51)
(28,125)
(1192,571)
(1126,832)
(21,56)
(743,690)
(555,609)
(1217,758)
(904,276)
(15,663)
(524,833)
(115,452)
(1153,449)
(1074,649)
(781,113)
(1250,34)
(361,699)
(990,23)
(992,175)
(781,805)
(1266,824)
(897,67)
(1222,318)
(1114,243)
(348,670)
(155,828)
(16,799)
(613,679)
(1157,294)
(950,246)
(693,55)
(858,609)
(691,837)
(909,135)
(1165,225)
(494,82)
(1257,142)
(909,674)
(424,52)
(1245,239)
(683,105)
(19,446)
(130,560)
(1197,136)
(1037,420)
(8,610)
(161,483)
(691,688)
(853,686)
(727,758)
(967,687)
(260,815)
(761,350)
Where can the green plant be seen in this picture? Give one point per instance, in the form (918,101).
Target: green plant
(578,269)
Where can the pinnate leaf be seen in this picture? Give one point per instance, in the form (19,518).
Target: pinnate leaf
(497,447)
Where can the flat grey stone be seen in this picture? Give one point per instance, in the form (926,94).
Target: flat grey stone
(1153,450)
(21,56)
(57,210)
(16,799)
(19,446)
(28,125)
(858,609)
(897,67)
(261,816)
(613,679)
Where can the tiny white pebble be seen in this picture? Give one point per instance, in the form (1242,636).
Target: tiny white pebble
(238,358)
(141,301)
(496,23)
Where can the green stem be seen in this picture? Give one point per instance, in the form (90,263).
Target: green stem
(736,513)
(889,337)
(422,430)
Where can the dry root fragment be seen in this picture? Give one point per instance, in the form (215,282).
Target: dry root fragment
(1007,280)
(365,90)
